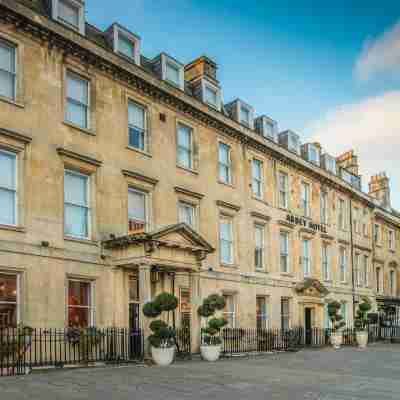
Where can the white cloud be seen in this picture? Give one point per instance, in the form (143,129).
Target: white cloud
(381,54)
(372,129)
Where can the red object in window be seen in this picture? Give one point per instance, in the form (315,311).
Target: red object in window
(136,226)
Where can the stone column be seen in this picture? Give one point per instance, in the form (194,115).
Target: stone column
(145,296)
(195,319)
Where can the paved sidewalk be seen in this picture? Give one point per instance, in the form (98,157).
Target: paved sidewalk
(347,374)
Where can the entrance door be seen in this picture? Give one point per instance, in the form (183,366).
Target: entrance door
(308,326)
(135,332)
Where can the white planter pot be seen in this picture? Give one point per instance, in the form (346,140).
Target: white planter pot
(336,340)
(362,339)
(210,353)
(163,356)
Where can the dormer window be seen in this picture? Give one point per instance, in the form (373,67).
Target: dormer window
(70,13)
(329,163)
(266,127)
(244,115)
(172,73)
(346,176)
(241,112)
(124,42)
(169,70)
(211,94)
(311,153)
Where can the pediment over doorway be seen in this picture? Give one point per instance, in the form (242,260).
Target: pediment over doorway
(312,288)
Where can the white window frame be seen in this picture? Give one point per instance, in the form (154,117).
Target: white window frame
(14,190)
(221,164)
(91,306)
(208,85)
(18,294)
(231,242)
(247,110)
(81,14)
(326,261)
(377,234)
(366,270)
(13,74)
(306,199)
(391,239)
(189,151)
(356,220)
(230,315)
(184,204)
(88,206)
(343,264)
(286,255)
(392,283)
(284,315)
(312,148)
(69,100)
(118,30)
(324,207)
(144,130)
(167,61)
(306,258)
(145,194)
(257,182)
(283,191)
(258,248)
(342,214)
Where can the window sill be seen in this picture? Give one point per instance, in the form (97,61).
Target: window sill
(260,199)
(287,274)
(81,240)
(144,153)
(261,271)
(226,184)
(79,128)
(12,102)
(230,266)
(13,228)
(191,170)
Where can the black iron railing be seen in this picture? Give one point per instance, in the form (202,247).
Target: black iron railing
(183,342)
(22,351)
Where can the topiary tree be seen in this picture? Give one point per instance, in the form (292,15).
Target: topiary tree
(361,319)
(210,306)
(163,335)
(335,316)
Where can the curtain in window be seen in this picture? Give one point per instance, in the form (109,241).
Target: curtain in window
(7,70)
(186,214)
(76,205)
(78,100)
(137,205)
(8,300)
(79,304)
(7,188)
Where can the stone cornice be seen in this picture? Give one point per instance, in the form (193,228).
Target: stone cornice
(188,192)
(20,137)
(80,157)
(140,177)
(90,53)
(224,204)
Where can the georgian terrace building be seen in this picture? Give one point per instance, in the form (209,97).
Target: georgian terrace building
(122,176)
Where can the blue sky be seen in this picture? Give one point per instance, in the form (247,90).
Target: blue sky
(326,71)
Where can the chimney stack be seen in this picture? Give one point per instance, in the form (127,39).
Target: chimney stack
(200,68)
(379,189)
(348,161)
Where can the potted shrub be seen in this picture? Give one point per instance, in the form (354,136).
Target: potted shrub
(162,340)
(211,341)
(337,323)
(361,322)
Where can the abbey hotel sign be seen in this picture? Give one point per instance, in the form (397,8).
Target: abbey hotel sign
(307,224)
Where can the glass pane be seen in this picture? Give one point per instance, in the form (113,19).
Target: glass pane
(186,214)
(172,73)
(7,170)
(244,115)
(284,243)
(137,205)
(76,221)
(68,13)
(7,57)
(257,169)
(226,230)
(259,233)
(136,115)
(184,137)
(78,293)
(8,288)
(75,189)
(77,88)
(224,173)
(8,315)
(226,251)
(210,96)
(126,47)
(77,114)
(133,289)
(224,154)
(7,84)
(136,138)
(78,317)
(184,157)
(7,207)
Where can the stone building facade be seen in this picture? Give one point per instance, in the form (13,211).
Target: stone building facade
(122,176)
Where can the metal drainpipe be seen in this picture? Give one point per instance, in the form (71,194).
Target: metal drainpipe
(352,259)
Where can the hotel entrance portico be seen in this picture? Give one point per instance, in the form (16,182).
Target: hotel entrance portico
(165,260)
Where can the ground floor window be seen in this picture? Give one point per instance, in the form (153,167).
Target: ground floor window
(8,300)
(262,312)
(285,313)
(80,310)
(229,311)
(343,312)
